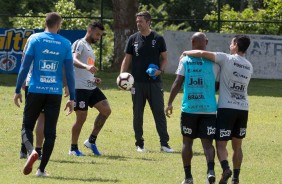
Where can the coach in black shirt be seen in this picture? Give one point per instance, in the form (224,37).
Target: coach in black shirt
(144,48)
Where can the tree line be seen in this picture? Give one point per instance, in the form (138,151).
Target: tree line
(118,16)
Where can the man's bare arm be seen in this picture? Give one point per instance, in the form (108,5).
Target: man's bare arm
(200,53)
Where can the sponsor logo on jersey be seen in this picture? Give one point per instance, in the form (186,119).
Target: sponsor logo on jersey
(154,43)
(48,79)
(224,133)
(46,51)
(238,96)
(237,86)
(239,75)
(196,82)
(90,61)
(8,62)
(242,66)
(190,62)
(48,65)
(194,70)
(202,106)
(136,48)
(195,96)
(211,130)
(49,89)
(90,83)
(186,130)
(52,41)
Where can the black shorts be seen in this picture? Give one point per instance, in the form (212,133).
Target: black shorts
(85,98)
(25,96)
(231,123)
(198,125)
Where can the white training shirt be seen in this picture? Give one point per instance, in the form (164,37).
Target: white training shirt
(83,78)
(235,76)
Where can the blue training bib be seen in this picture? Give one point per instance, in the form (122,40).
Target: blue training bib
(199,86)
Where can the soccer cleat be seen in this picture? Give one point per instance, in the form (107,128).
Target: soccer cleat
(211,177)
(167,149)
(93,147)
(41,174)
(140,149)
(76,153)
(187,181)
(30,161)
(23,155)
(225,176)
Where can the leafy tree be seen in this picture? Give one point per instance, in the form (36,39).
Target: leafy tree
(159,17)
(249,19)
(67,9)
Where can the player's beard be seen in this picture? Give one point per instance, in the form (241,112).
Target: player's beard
(93,40)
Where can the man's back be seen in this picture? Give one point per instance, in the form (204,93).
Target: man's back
(199,85)
(235,76)
(49,52)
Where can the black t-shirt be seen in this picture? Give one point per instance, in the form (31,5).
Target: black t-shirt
(145,51)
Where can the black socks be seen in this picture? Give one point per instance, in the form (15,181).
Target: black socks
(92,139)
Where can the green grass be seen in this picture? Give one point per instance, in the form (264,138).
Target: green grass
(120,162)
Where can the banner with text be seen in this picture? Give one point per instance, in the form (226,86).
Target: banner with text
(12,42)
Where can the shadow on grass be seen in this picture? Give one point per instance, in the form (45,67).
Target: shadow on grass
(74,161)
(123,158)
(85,179)
(8,80)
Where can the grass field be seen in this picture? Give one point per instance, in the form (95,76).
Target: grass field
(120,163)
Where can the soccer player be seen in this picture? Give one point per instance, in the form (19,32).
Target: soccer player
(40,121)
(86,90)
(233,105)
(48,52)
(144,48)
(198,116)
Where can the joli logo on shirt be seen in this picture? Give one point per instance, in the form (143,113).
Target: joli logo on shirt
(196,82)
(45,65)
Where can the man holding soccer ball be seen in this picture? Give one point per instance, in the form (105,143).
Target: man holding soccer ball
(144,48)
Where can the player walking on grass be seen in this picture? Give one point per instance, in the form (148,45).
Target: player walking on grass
(48,53)
(233,105)
(87,92)
(40,121)
(144,48)
(198,116)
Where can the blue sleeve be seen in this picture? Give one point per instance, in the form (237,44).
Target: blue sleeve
(70,77)
(24,69)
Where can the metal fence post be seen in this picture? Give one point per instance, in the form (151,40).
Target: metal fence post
(218,16)
(101,40)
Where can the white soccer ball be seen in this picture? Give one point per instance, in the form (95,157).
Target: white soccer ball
(125,81)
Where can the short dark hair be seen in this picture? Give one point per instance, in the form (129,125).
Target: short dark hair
(52,19)
(243,42)
(145,14)
(96,24)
